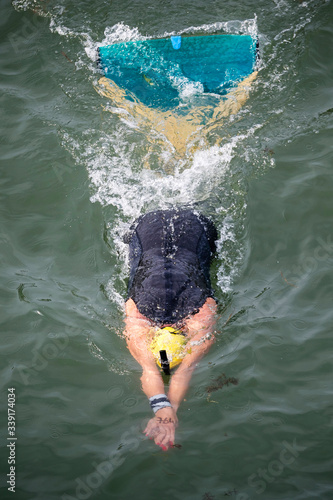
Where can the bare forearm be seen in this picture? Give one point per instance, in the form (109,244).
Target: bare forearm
(181,379)
(152,382)
(179,386)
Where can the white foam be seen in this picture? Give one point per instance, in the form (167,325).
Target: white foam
(116,181)
(187,88)
(236,27)
(120,32)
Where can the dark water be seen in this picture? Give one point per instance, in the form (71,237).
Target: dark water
(74,174)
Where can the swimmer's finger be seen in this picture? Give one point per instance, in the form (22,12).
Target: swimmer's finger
(169,436)
(166,438)
(172,436)
(152,434)
(146,430)
(159,439)
(151,427)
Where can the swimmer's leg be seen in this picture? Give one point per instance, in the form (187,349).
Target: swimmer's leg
(235,99)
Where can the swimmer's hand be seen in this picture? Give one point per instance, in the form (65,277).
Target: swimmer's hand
(162,428)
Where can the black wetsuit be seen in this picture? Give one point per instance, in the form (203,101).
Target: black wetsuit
(170,255)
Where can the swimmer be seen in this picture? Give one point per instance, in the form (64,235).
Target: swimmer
(169,299)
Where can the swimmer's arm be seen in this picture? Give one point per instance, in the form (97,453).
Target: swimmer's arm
(163,425)
(181,379)
(151,379)
(137,329)
(200,330)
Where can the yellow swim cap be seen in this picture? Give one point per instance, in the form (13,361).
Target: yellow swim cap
(172,342)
